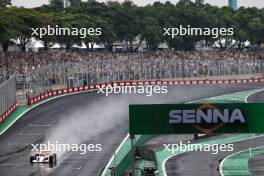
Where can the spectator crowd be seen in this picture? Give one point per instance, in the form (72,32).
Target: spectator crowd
(155,65)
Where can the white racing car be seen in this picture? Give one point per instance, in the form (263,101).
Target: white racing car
(46,157)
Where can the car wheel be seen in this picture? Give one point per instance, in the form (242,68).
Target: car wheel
(51,159)
(54,158)
(36,155)
(32,159)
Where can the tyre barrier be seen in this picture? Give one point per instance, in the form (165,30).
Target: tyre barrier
(57,92)
(8,112)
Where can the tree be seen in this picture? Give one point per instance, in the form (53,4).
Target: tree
(69,21)
(91,8)
(5,3)
(86,21)
(108,36)
(45,20)
(75,1)
(125,23)
(240,22)
(256,28)
(29,19)
(8,31)
(56,5)
(151,32)
(92,39)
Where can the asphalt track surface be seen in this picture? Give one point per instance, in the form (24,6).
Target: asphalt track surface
(49,120)
(256,164)
(207,164)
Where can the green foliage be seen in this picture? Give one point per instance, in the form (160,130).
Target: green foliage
(56,5)
(75,1)
(151,32)
(129,23)
(5,3)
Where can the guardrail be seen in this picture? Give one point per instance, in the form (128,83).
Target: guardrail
(57,92)
(7,98)
(8,112)
(102,70)
(63,91)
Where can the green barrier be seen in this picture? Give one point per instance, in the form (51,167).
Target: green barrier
(238,97)
(122,160)
(196,118)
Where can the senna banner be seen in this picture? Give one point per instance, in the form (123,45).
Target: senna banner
(196,118)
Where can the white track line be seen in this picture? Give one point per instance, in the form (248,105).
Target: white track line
(59,96)
(39,103)
(257,91)
(223,161)
(119,147)
(31,134)
(164,162)
(44,101)
(67,169)
(113,156)
(39,125)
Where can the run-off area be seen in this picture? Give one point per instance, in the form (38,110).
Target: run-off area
(49,120)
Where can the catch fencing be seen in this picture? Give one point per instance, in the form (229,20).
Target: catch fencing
(7,97)
(76,74)
(3,75)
